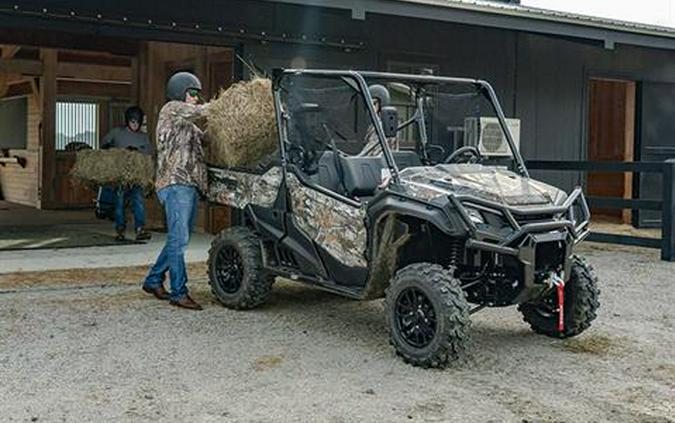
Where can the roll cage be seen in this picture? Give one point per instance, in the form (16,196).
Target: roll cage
(420,82)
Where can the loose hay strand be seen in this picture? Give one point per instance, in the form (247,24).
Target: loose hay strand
(114,167)
(242,124)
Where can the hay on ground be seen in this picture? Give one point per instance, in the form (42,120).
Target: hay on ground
(594,344)
(114,167)
(242,125)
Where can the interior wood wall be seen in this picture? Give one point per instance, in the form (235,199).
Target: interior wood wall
(20,185)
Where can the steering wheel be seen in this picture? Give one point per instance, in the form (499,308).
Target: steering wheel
(469,152)
(435,153)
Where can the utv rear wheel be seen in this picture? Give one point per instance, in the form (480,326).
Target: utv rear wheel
(581,304)
(428,315)
(235,269)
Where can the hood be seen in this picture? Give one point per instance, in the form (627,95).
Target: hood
(486,182)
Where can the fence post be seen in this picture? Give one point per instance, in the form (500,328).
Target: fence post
(668,211)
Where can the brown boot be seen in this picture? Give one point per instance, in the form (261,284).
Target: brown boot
(187,302)
(120,235)
(160,293)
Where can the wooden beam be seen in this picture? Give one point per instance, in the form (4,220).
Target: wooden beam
(9,50)
(18,89)
(16,78)
(92,72)
(54,39)
(36,93)
(48,134)
(95,57)
(22,66)
(95,89)
(75,71)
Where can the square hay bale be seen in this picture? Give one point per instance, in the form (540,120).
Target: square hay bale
(242,124)
(114,167)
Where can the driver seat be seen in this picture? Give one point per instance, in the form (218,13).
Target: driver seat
(357,176)
(362,174)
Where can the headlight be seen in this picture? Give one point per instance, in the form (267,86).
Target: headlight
(475,215)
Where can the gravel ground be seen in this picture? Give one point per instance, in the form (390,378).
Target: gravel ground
(102,350)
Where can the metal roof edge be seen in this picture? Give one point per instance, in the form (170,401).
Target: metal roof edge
(551,15)
(560,23)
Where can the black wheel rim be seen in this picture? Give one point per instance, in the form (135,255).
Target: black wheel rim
(229,269)
(415,317)
(548,306)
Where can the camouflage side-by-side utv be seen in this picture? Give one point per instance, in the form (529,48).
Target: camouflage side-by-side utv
(410,188)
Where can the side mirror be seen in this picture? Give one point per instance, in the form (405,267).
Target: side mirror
(389,116)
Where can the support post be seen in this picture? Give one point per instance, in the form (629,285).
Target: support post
(668,213)
(48,132)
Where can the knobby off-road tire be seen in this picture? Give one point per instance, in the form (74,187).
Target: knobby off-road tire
(581,304)
(427,296)
(236,270)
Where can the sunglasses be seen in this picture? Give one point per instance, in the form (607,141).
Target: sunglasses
(193,92)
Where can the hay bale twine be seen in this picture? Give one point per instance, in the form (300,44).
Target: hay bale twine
(116,166)
(241,124)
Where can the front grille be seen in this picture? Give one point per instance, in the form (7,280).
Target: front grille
(525,219)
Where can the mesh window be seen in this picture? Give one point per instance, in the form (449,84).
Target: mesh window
(77,125)
(322,111)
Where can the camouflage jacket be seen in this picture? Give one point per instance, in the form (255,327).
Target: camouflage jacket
(373,147)
(180,154)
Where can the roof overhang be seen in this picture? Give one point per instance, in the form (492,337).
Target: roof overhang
(509,17)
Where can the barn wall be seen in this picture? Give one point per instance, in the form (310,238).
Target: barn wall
(20,185)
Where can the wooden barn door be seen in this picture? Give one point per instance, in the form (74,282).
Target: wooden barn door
(611,138)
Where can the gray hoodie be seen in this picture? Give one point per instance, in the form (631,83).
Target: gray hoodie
(122,137)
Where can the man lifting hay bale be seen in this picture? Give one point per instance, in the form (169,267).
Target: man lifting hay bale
(241,128)
(181,175)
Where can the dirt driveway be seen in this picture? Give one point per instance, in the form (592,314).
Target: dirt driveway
(90,346)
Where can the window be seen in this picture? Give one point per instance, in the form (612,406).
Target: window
(13,122)
(77,125)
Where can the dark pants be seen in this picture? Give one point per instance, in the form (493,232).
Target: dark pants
(135,196)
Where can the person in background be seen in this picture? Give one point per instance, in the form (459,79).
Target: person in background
(181,176)
(130,137)
(381,98)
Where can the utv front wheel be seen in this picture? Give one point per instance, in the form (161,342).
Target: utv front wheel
(428,315)
(235,269)
(581,304)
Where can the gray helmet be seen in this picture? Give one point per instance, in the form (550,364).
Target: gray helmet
(381,93)
(179,83)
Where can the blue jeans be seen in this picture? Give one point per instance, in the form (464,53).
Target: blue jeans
(135,196)
(180,208)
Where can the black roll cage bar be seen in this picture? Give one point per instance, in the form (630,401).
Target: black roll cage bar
(360,78)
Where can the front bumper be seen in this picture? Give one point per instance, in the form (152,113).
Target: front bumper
(565,226)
